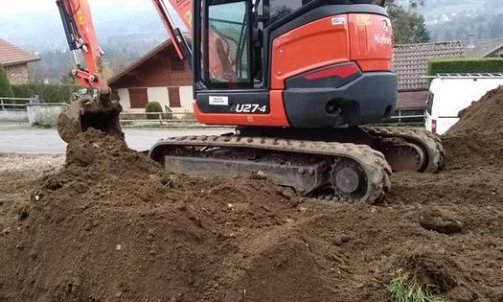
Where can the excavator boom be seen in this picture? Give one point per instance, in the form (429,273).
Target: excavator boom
(82,41)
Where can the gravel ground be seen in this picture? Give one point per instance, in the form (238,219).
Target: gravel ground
(35,141)
(19,175)
(35,164)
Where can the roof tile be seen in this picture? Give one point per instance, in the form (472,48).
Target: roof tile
(410,62)
(482,48)
(12,55)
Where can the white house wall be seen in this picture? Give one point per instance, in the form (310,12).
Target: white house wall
(186,98)
(158,94)
(124,99)
(161,95)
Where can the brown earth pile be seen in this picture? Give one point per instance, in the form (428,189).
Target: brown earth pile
(478,136)
(112,226)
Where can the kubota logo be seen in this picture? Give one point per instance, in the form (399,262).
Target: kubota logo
(382,39)
(385,26)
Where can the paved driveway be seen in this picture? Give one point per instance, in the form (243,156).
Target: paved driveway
(22,139)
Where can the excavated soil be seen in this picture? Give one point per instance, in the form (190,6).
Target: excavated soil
(477,139)
(113,226)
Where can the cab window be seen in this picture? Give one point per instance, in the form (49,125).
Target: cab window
(228,43)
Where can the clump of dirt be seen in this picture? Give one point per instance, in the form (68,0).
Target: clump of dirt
(114,226)
(477,138)
(440,221)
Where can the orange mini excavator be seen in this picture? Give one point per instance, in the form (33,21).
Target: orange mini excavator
(302,80)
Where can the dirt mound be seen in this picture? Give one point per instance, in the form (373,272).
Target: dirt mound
(477,138)
(114,226)
(482,117)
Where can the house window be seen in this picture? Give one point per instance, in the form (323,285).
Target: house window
(177,64)
(174,97)
(138,97)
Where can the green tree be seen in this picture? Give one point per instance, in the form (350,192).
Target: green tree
(5,88)
(408,25)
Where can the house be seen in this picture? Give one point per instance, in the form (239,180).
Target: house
(484,48)
(410,62)
(158,76)
(15,62)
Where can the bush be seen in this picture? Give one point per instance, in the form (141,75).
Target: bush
(52,93)
(465,65)
(153,107)
(20,91)
(5,88)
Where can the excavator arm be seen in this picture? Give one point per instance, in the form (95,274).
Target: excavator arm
(82,41)
(92,106)
(184,10)
(221,64)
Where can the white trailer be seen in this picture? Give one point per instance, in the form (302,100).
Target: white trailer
(452,93)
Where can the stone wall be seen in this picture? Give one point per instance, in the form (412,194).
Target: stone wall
(44,114)
(16,116)
(17,74)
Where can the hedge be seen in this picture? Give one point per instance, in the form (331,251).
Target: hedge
(5,87)
(51,93)
(465,65)
(153,107)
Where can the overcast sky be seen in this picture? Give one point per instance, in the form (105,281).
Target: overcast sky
(47,6)
(25,22)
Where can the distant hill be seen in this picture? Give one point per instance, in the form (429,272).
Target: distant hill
(43,31)
(463,19)
(446,20)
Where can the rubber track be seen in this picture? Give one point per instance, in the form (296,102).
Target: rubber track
(373,163)
(430,142)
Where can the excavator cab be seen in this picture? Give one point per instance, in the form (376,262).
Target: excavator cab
(292,63)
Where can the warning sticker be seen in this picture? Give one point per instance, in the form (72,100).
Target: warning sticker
(363,20)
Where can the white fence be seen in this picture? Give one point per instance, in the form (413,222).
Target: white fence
(157,118)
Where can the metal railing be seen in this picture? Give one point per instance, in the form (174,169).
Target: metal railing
(474,76)
(402,116)
(410,117)
(156,118)
(14,104)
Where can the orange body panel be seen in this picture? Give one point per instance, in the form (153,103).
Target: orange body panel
(363,38)
(371,41)
(275,118)
(317,44)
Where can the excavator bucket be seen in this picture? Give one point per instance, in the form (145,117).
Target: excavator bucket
(86,111)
